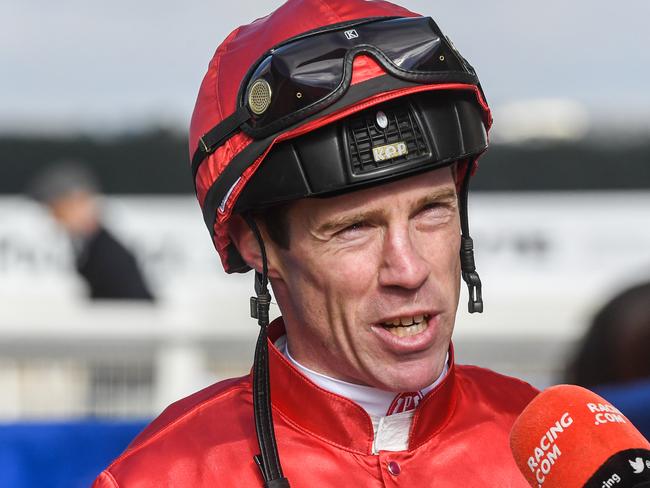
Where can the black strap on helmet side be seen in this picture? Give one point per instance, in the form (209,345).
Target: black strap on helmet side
(467,265)
(216,136)
(268,460)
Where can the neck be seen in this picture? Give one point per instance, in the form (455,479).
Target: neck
(375,402)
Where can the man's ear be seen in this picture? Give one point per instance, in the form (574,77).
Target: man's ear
(246,243)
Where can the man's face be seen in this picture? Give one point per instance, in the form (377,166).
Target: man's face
(360,268)
(77,212)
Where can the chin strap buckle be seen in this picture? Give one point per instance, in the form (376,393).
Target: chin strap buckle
(470,276)
(260,308)
(473,281)
(261,303)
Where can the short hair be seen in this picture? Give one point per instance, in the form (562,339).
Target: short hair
(60,179)
(275,220)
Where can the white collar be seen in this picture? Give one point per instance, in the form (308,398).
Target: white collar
(373,400)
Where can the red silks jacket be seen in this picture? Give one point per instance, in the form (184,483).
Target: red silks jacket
(458,438)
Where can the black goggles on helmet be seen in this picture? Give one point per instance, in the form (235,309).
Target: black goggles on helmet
(307,73)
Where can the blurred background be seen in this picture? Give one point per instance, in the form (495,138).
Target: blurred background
(560,212)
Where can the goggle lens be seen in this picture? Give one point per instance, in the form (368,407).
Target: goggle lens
(308,73)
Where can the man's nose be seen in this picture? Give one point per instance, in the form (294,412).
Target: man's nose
(402,264)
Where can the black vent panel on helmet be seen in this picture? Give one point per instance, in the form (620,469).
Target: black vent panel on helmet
(383,137)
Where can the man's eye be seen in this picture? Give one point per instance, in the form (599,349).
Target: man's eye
(437,209)
(352,228)
(431,207)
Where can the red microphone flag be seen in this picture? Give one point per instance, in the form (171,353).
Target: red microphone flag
(567,434)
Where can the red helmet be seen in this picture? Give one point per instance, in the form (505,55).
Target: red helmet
(230,142)
(322,97)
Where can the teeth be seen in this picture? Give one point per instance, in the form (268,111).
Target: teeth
(406,326)
(407,331)
(406,320)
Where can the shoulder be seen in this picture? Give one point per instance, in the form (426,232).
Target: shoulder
(183,410)
(212,427)
(208,420)
(495,388)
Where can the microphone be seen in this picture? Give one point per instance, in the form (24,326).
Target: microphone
(569,437)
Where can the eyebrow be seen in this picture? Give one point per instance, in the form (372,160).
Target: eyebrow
(442,195)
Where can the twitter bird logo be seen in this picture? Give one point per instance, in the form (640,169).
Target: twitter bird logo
(637,465)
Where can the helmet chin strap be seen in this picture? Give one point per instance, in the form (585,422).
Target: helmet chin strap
(268,460)
(467,265)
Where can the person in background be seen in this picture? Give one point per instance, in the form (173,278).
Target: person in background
(70,193)
(613,359)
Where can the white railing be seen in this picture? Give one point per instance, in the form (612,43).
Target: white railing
(547,262)
(112,359)
(132,360)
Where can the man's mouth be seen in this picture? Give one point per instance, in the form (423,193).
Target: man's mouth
(406,326)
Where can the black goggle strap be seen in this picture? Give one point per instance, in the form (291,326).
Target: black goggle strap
(467,265)
(215,137)
(268,460)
